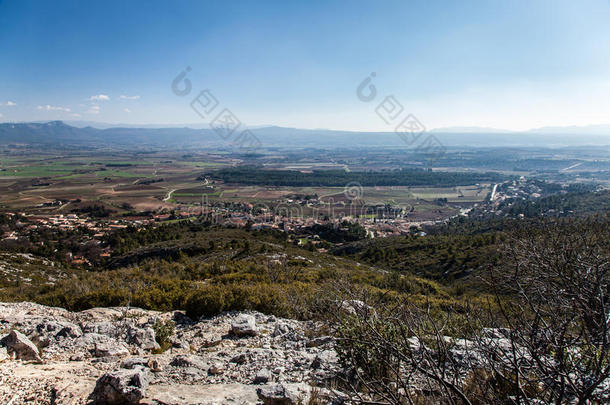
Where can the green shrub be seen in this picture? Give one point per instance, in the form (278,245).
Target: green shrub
(163,331)
(206,301)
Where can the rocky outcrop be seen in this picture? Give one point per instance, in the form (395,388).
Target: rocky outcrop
(280,394)
(19,346)
(107,355)
(189,361)
(121,387)
(109,352)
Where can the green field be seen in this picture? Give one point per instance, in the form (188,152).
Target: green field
(144,183)
(36,170)
(117,173)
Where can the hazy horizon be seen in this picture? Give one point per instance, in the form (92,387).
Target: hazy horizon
(601,130)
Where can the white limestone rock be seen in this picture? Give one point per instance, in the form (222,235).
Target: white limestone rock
(244,325)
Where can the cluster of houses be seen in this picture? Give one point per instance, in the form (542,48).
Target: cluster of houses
(33,223)
(235,214)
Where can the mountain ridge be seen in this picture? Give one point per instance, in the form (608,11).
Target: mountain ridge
(61,134)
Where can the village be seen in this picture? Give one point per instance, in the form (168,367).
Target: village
(93,232)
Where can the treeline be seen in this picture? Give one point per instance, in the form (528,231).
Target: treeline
(345,232)
(131,239)
(150,181)
(571,203)
(95,211)
(339,178)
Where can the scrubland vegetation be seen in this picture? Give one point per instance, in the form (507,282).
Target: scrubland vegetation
(206,270)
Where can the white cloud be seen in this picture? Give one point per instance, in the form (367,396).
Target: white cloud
(129,97)
(99,97)
(94,109)
(52,108)
(11,103)
(1,115)
(127,110)
(76,115)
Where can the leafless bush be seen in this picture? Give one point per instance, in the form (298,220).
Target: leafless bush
(559,309)
(399,353)
(542,339)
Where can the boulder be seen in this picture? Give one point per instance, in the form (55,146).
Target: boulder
(134,362)
(326,359)
(55,329)
(210,340)
(121,387)
(244,325)
(189,361)
(143,337)
(88,341)
(69,331)
(117,349)
(178,343)
(287,331)
(240,359)
(216,369)
(77,357)
(109,329)
(154,365)
(21,347)
(465,353)
(262,377)
(280,394)
(281,328)
(357,307)
(200,394)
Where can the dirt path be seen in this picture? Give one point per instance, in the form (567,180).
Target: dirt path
(169,195)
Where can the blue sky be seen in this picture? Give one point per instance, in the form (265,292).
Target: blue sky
(504,64)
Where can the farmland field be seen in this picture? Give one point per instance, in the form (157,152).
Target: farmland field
(160,181)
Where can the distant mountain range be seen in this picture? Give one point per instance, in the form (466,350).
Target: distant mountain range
(601,130)
(60,134)
(471,130)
